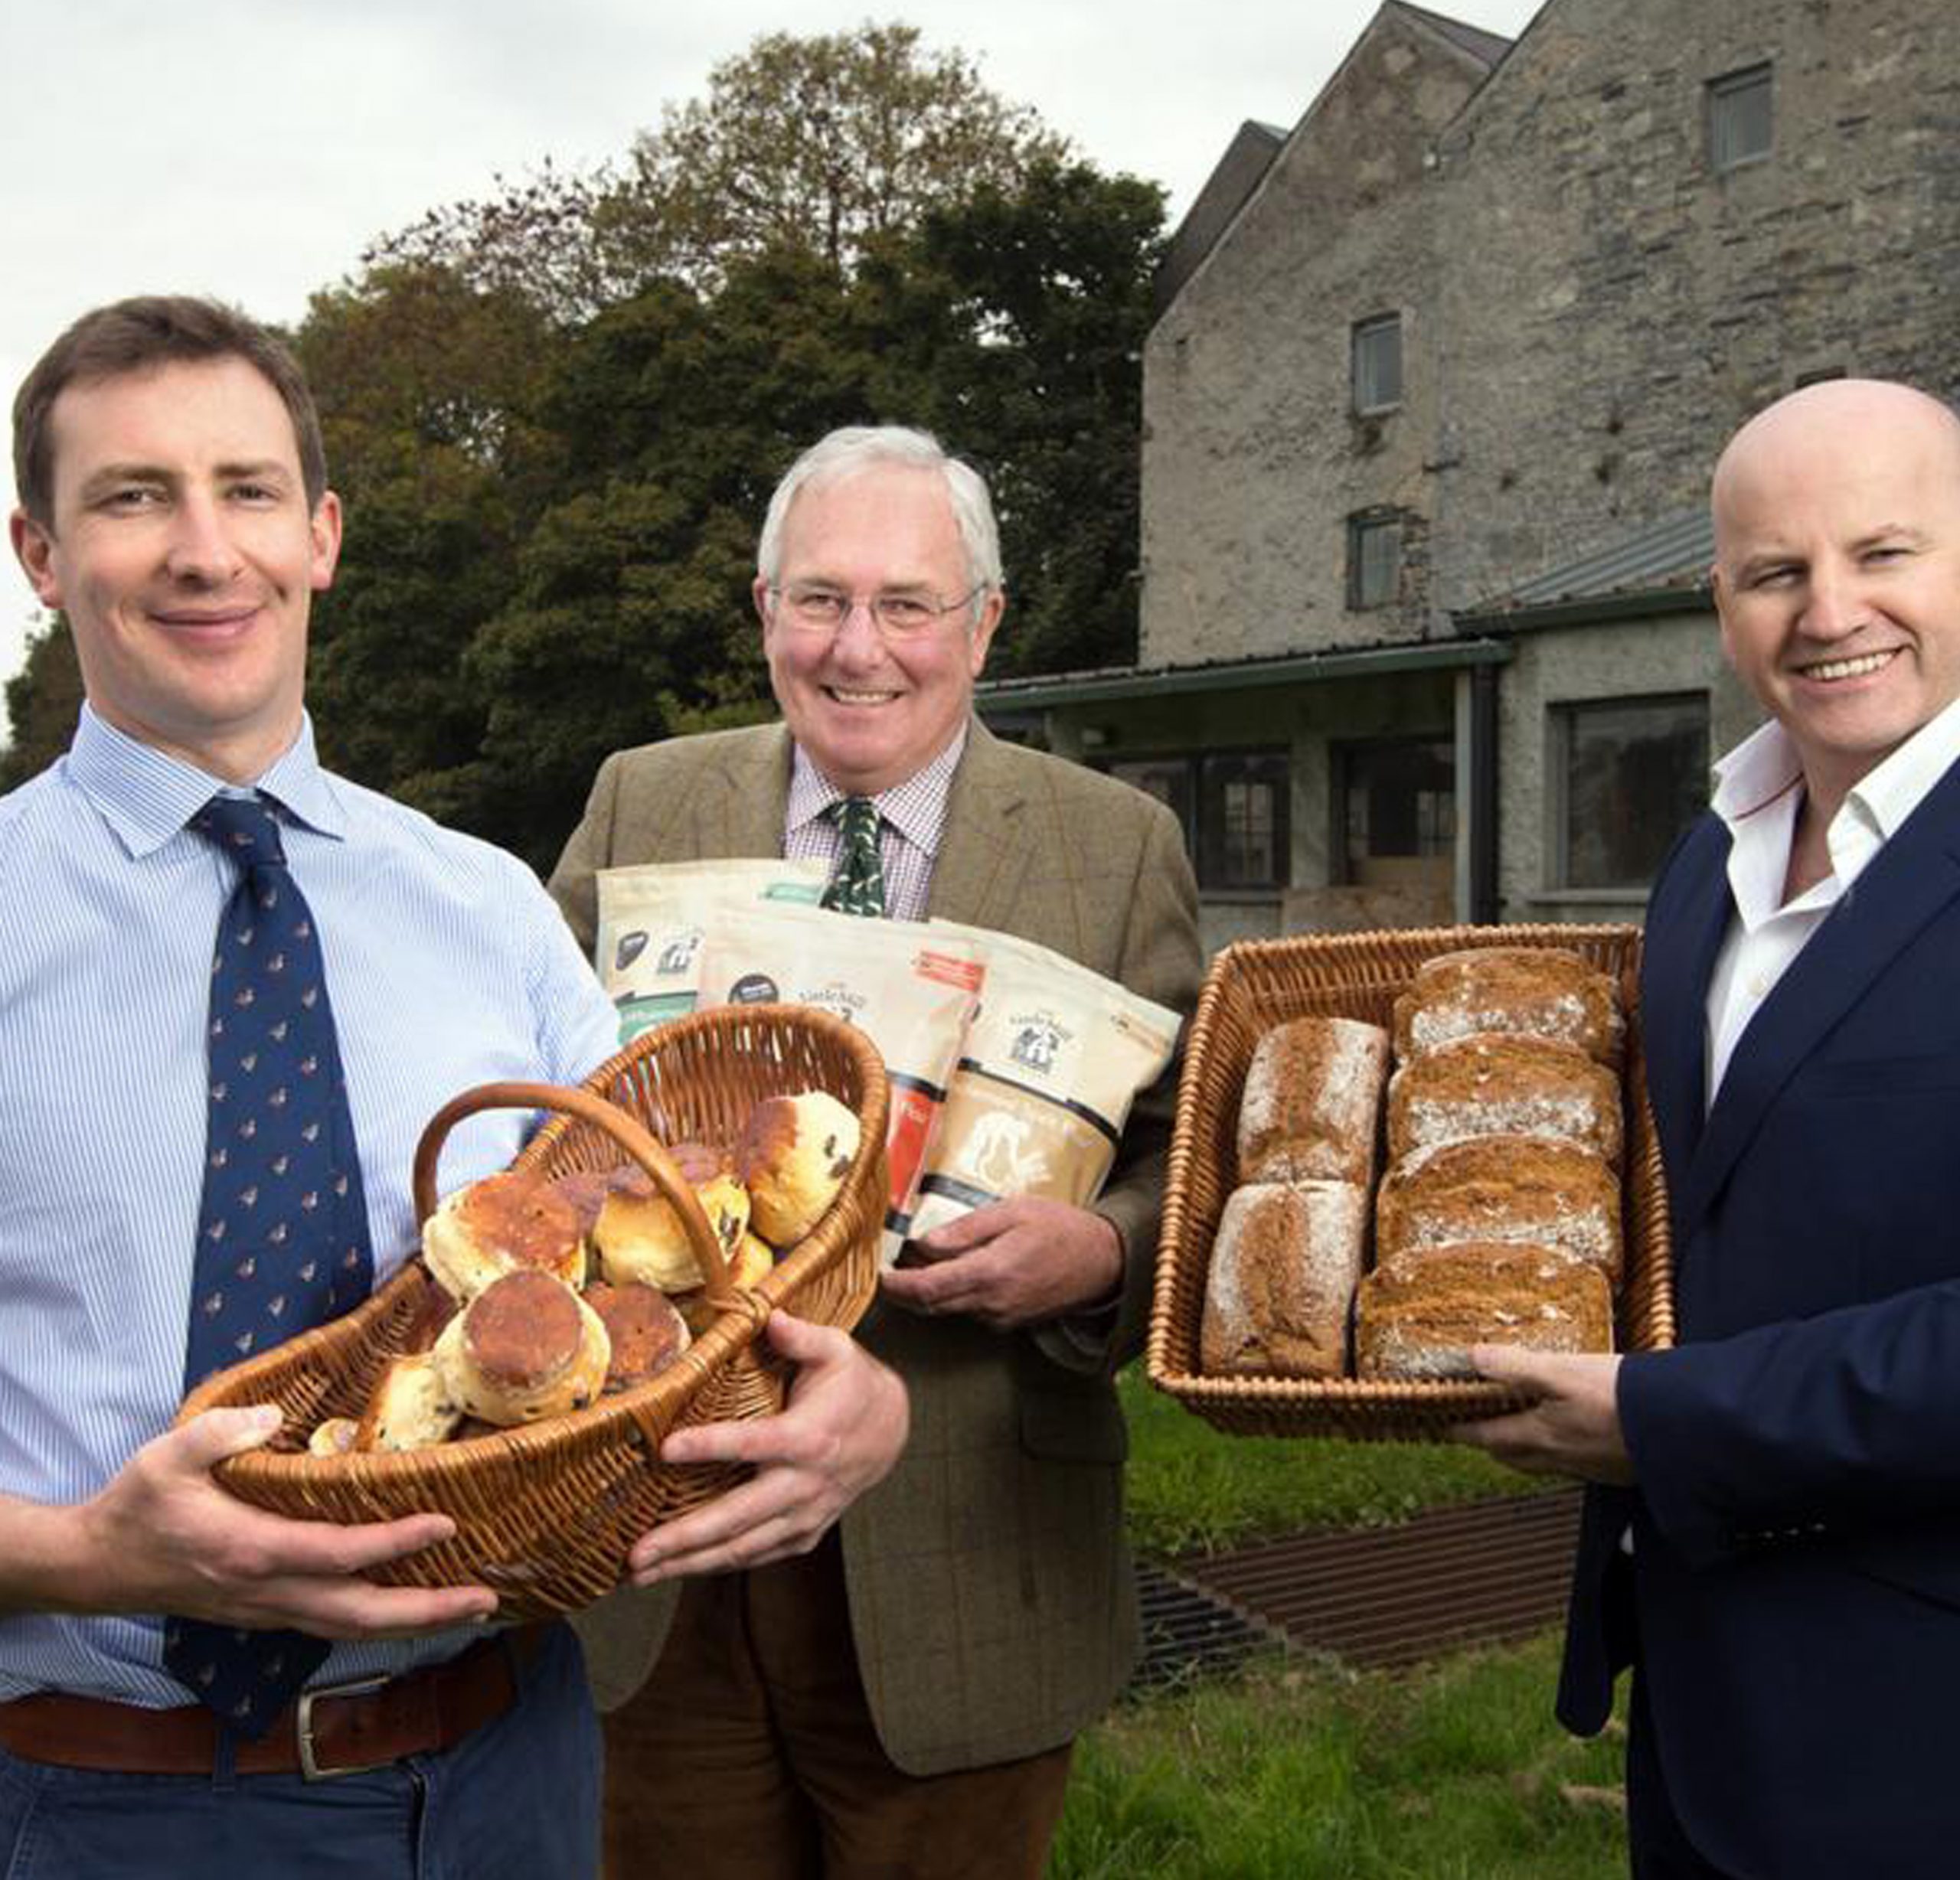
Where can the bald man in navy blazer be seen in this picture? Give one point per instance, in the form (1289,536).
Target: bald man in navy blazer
(1773,1542)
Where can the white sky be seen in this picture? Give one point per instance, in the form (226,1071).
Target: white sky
(250,149)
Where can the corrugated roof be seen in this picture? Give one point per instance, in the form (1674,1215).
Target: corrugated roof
(1673,553)
(1486,47)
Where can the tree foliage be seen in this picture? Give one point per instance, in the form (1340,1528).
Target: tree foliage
(43,699)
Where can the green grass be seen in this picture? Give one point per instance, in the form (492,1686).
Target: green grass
(1298,1769)
(1193,1488)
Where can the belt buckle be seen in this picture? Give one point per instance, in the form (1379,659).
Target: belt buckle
(310,1767)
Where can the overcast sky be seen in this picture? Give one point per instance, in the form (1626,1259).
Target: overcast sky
(250,148)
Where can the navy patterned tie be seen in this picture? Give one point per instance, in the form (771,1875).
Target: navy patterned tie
(282,1229)
(858,886)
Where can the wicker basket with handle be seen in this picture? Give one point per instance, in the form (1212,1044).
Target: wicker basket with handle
(545,1514)
(1257,984)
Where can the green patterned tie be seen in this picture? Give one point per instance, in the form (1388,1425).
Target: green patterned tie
(859,887)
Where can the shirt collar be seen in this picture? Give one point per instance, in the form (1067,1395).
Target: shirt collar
(915,807)
(146,796)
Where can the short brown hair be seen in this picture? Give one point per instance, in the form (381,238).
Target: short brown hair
(138,335)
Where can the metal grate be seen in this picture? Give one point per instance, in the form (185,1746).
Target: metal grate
(1481,1573)
(1187,1633)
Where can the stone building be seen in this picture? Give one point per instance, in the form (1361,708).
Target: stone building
(1428,417)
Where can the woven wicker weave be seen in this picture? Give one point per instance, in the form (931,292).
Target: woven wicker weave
(1257,984)
(545,1514)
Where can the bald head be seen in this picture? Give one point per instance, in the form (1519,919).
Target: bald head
(1837,569)
(1837,430)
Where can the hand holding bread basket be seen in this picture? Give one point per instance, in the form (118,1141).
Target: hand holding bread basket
(546,1511)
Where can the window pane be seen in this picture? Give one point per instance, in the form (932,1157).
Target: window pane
(1398,802)
(1243,822)
(1739,118)
(1374,561)
(1170,780)
(1378,362)
(1636,771)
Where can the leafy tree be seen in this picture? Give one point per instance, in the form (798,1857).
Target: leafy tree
(43,699)
(827,142)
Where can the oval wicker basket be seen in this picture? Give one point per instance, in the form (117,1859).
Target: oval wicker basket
(545,1514)
(1256,984)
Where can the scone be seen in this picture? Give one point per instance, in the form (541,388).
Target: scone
(638,1235)
(793,1156)
(525,1348)
(505,1223)
(645,1332)
(411,1407)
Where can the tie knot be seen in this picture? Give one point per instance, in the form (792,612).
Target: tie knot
(244,828)
(857,817)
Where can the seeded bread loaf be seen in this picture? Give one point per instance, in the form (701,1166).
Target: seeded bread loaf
(1502,1188)
(1416,1316)
(1492,1085)
(1311,1106)
(1537,992)
(1283,1272)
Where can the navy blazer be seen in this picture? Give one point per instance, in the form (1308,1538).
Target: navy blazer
(1793,1595)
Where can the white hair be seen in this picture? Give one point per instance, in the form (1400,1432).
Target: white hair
(857,447)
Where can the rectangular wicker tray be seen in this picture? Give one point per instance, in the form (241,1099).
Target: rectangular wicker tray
(1256,984)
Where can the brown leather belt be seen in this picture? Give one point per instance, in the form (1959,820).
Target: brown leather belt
(335,1730)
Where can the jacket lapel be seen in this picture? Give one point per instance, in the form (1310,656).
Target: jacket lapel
(985,851)
(739,808)
(1913,877)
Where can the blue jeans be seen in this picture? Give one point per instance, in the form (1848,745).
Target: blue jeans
(517,1799)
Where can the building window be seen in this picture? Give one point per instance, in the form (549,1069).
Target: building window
(1395,810)
(1234,808)
(1739,118)
(1377,351)
(1628,776)
(1374,560)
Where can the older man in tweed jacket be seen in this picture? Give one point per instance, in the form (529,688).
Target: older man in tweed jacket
(902,1700)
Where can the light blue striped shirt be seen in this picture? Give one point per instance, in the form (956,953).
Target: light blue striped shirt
(447,965)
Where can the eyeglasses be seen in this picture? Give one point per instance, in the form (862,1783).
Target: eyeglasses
(902,615)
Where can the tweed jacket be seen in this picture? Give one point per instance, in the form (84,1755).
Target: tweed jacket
(990,1586)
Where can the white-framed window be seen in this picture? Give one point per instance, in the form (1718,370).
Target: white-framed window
(1235,807)
(1626,775)
(1739,118)
(1376,351)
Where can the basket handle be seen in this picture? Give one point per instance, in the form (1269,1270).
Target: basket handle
(675,1188)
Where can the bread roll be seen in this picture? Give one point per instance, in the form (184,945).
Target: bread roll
(1312,1104)
(1416,1315)
(1536,992)
(793,1156)
(411,1407)
(1283,1271)
(644,1333)
(752,1262)
(639,1236)
(337,1436)
(525,1348)
(1507,1188)
(1495,1085)
(505,1223)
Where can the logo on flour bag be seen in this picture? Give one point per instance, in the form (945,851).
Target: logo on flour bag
(754,989)
(1038,1042)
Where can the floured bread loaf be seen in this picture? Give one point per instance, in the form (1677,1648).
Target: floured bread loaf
(1507,1188)
(1416,1316)
(1491,1084)
(1283,1272)
(1537,992)
(1312,1102)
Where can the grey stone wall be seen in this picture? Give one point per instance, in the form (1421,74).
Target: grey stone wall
(1611,309)
(1253,459)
